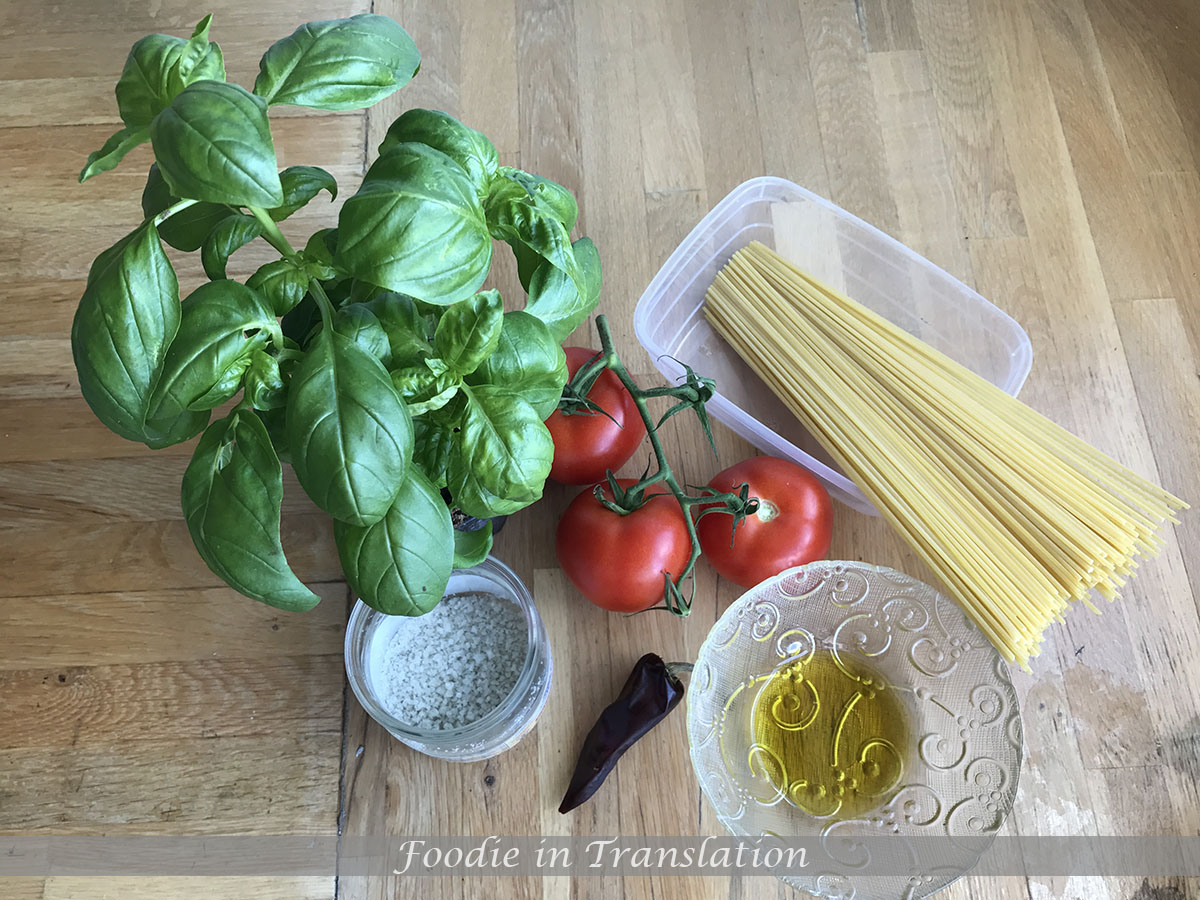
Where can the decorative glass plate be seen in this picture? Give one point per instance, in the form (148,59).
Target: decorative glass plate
(902,652)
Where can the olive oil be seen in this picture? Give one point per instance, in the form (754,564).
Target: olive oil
(830,734)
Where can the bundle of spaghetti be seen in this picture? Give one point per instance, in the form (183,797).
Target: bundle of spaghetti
(1017,517)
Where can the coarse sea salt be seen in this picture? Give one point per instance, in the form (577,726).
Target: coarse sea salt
(455,664)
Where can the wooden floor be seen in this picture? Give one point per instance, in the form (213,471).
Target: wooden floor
(1045,151)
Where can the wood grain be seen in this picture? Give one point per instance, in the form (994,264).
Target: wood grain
(1045,151)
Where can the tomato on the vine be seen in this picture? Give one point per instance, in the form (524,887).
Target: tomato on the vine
(587,444)
(793,524)
(617,561)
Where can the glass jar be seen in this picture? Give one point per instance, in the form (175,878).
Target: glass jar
(369,633)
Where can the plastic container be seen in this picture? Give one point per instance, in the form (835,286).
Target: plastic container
(369,633)
(848,254)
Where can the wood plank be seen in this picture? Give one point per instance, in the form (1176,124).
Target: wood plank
(787,105)
(1122,230)
(281,784)
(102,491)
(143,556)
(917,168)
(187,888)
(1154,132)
(610,141)
(975,141)
(120,705)
(667,102)
(725,107)
(888,25)
(846,113)
(113,629)
(1176,206)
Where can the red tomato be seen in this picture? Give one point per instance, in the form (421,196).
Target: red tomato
(618,561)
(586,445)
(793,524)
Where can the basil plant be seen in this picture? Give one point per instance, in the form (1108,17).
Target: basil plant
(370,360)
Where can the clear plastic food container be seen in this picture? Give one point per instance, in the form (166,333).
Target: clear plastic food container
(849,255)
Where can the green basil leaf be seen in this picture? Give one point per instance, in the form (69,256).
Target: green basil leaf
(232,493)
(525,221)
(432,440)
(221,324)
(556,299)
(235,232)
(472,547)
(186,229)
(424,390)
(469,148)
(546,193)
(408,331)
(357,322)
(468,332)
(114,151)
(351,437)
(264,382)
(501,455)
(300,184)
(528,362)
(159,66)
(275,421)
(281,284)
(214,143)
(338,64)
(416,226)
(302,321)
(401,564)
(126,319)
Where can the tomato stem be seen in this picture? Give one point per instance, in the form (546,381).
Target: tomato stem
(692,394)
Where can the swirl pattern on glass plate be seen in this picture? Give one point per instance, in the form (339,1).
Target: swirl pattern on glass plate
(955,686)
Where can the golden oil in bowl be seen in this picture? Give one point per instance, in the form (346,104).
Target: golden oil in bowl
(831,735)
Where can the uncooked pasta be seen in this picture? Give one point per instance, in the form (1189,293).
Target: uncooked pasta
(1018,517)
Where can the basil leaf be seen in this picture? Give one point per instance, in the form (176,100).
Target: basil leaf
(232,493)
(275,421)
(408,331)
(126,319)
(401,564)
(528,362)
(281,284)
(264,382)
(114,151)
(221,324)
(469,148)
(557,300)
(214,143)
(159,66)
(351,438)
(472,547)
(416,226)
(338,64)
(468,332)
(300,184)
(501,455)
(424,390)
(529,221)
(186,229)
(546,193)
(233,233)
(357,322)
(432,439)
(302,321)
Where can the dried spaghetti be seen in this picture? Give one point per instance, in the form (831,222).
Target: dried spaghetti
(1018,517)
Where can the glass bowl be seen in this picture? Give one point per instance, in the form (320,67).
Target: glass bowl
(370,631)
(943,794)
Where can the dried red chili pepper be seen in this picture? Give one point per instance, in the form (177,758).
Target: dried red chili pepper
(650,693)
